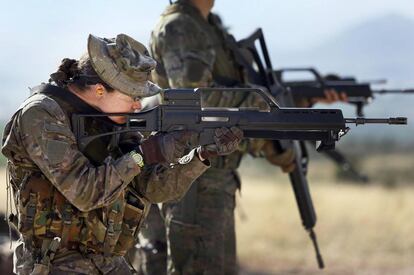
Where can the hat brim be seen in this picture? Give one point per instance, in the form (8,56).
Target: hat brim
(108,71)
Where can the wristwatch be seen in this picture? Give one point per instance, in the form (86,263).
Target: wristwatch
(139,160)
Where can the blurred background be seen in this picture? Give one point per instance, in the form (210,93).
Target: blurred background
(364,227)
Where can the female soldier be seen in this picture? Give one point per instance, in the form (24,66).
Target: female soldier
(79,211)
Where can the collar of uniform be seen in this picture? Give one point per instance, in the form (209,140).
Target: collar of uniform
(75,104)
(69,97)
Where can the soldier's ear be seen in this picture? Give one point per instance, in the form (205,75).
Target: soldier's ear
(99,90)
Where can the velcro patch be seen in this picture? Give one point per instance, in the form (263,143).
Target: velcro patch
(56,151)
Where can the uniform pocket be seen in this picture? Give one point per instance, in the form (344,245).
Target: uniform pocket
(134,214)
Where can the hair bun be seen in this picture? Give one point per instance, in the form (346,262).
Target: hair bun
(67,70)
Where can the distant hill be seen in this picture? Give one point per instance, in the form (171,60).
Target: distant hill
(381,47)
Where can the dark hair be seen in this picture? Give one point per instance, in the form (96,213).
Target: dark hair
(79,73)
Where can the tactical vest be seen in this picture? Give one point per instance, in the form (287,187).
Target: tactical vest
(226,71)
(43,212)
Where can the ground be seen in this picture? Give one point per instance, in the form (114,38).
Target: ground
(362,229)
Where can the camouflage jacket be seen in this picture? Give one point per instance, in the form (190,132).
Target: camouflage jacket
(193,52)
(94,202)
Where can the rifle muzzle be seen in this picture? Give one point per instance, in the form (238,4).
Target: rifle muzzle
(391,121)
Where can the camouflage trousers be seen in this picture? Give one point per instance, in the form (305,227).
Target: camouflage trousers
(200,228)
(70,262)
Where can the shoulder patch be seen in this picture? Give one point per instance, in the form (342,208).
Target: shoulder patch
(56,150)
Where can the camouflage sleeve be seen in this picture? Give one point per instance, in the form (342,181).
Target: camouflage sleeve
(184,49)
(51,145)
(162,183)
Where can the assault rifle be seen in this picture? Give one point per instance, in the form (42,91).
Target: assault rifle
(261,72)
(182,111)
(358,93)
(253,56)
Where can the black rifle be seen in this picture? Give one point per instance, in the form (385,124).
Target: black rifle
(182,111)
(260,71)
(358,94)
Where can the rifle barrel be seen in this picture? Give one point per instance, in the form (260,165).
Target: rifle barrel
(391,120)
(395,91)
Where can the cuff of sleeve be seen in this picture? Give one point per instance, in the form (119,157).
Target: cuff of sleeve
(194,154)
(127,168)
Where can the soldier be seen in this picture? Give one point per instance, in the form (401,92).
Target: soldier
(80,211)
(190,45)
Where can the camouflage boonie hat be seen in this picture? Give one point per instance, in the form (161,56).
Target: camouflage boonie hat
(124,64)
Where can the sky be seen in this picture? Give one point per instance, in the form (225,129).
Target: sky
(36,35)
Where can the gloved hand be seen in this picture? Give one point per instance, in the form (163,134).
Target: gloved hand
(286,159)
(167,147)
(128,141)
(226,142)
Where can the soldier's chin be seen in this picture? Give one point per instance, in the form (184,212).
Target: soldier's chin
(118,119)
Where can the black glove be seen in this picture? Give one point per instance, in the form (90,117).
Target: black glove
(129,141)
(226,142)
(169,147)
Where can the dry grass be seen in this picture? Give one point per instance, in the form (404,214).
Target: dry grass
(361,229)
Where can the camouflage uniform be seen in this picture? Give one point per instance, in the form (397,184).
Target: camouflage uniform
(192,52)
(95,200)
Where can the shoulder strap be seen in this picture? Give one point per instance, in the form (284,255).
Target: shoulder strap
(67,100)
